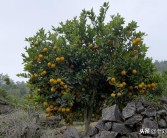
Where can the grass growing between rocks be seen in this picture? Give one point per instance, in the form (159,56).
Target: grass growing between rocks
(11,125)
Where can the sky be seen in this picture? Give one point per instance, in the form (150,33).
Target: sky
(23,18)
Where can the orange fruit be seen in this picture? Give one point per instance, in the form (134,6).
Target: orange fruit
(35,75)
(58,80)
(113,80)
(113,95)
(45,50)
(153,85)
(49,64)
(51,106)
(63,110)
(48,109)
(55,82)
(61,83)
(140,86)
(119,94)
(40,56)
(124,83)
(149,86)
(67,109)
(51,80)
(53,66)
(43,73)
(39,59)
(123,73)
(53,89)
(121,85)
(134,72)
(61,58)
(58,59)
(138,40)
(45,104)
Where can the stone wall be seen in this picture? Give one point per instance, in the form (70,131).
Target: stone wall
(139,119)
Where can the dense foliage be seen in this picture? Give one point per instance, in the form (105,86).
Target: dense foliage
(85,64)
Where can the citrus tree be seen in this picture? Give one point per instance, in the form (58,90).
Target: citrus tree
(86,64)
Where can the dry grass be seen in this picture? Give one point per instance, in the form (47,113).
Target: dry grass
(12,125)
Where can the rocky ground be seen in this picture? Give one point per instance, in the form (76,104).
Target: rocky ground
(139,119)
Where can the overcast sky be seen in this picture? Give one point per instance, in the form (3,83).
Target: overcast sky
(23,18)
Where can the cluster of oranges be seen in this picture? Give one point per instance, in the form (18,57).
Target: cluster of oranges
(136,41)
(141,87)
(59,83)
(51,109)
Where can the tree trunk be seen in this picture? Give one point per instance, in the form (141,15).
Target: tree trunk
(88,113)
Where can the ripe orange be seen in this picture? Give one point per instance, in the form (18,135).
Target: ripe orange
(138,40)
(67,109)
(58,80)
(63,110)
(39,59)
(58,59)
(45,104)
(113,95)
(61,83)
(53,89)
(45,50)
(53,66)
(153,85)
(113,80)
(43,73)
(119,94)
(35,75)
(124,83)
(123,73)
(149,86)
(140,86)
(49,64)
(121,85)
(51,106)
(48,109)
(51,80)
(134,72)
(61,58)
(40,56)
(55,82)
